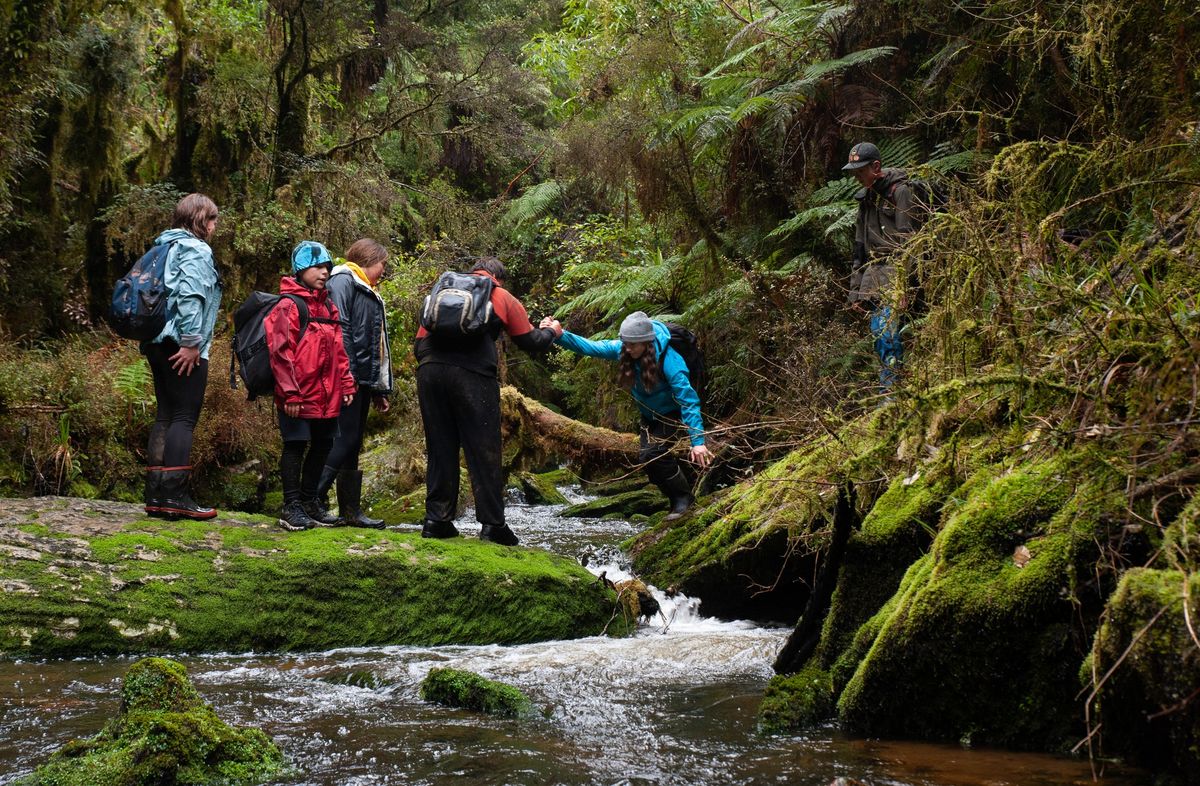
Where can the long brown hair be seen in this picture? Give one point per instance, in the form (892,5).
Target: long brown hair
(651,371)
(193,213)
(366,253)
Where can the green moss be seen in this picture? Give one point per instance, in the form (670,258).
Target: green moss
(1146,707)
(457,688)
(644,500)
(973,645)
(542,489)
(796,701)
(205,586)
(164,733)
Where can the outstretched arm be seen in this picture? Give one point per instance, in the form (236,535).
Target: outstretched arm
(606,350)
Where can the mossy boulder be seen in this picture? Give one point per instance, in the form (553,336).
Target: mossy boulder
(981,640)
(796,701)
(467,690)
(645,500)
(163,733)
(1144,674)
(542,489)
(89,577)
(750,551)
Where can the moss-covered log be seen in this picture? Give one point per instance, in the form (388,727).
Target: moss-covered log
(163,733)
(534,435)
(82,577)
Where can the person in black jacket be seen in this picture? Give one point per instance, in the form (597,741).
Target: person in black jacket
(352,288)
(459,393)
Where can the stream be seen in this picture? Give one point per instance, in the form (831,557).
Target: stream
(674,704)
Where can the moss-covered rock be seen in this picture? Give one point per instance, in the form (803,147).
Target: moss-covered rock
(164,733)
(542,489)
(981,639)
(752,550)
(1145,671)
(645,500)
(84,578)
(796,701)
(458,688)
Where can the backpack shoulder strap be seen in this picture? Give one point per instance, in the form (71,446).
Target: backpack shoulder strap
(302,309)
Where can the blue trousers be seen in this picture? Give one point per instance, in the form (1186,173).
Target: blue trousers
(885,328)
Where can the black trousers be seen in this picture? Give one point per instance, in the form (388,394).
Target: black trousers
(179,400)
(656,436)
(460,409)
(352,428)
(302,460)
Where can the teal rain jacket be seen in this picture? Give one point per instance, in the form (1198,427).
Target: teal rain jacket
(674,394)
(193,291)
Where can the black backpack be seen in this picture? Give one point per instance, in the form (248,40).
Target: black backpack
(460,306)
(250,341)
(139,302)
(687,345)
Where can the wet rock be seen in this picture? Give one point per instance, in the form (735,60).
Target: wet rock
(542,489)
(645,500)
(467,690)
(164,732)
(239,583)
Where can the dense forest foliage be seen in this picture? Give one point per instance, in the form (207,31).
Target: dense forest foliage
(678,156)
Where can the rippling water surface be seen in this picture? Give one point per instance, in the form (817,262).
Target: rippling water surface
(673,705)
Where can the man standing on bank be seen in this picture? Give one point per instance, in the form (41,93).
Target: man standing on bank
(885,220)
(459,393)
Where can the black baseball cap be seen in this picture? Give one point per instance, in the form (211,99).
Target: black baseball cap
(861,155)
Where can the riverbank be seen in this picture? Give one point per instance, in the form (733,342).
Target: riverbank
(90,577)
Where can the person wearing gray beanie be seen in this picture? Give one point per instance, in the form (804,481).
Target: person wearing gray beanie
(664,385)
(636,328)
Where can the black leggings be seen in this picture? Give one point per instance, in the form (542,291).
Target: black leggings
(179,399)
(299,473)
(352,428)
(461,409)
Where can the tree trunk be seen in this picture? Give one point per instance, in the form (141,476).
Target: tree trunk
(534,435)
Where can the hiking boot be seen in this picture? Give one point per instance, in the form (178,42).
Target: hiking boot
(439,529)
(349,494)
(293,517)
(175,496)
(498,533)
(316,510)
(679,506)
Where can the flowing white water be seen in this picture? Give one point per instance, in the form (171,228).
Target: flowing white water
(674,704)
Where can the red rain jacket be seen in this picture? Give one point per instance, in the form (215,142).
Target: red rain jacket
(315,374)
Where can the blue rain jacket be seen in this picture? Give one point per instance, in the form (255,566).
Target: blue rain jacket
(193,291)
(674,394)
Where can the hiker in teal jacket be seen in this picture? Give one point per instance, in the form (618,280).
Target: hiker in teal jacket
(657,377)
(178,358)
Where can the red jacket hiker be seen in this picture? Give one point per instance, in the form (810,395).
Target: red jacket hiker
(315,374)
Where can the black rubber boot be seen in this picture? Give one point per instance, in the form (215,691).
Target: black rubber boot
(153,494)
(498,533)
(439,529)
(679,492)
(175,500)
(349,494)
(294,518)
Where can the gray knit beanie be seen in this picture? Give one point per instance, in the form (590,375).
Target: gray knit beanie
(637,327)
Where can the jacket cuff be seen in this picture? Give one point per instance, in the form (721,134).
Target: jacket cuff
(191,340)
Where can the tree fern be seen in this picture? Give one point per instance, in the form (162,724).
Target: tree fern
(533,204)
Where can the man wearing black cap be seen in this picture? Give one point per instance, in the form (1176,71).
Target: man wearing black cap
(885,220)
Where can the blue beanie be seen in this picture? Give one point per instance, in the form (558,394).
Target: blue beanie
(309,253)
